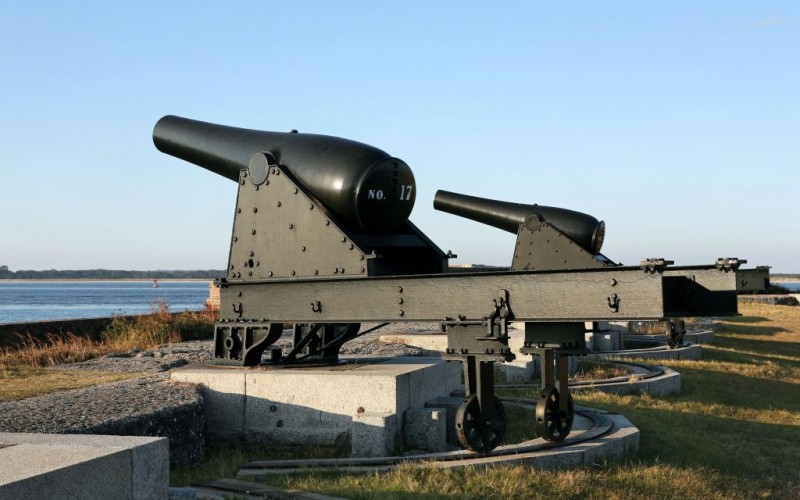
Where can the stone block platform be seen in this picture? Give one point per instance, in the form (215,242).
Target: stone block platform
(320,405)
(699,336)
(45,466)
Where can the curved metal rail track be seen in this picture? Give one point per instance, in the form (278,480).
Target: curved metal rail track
(600,425)
(650,372)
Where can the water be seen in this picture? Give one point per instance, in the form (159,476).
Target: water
(53,300)
(792,286)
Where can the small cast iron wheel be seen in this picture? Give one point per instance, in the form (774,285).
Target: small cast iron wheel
(475,435)
(674,337)
(553,424)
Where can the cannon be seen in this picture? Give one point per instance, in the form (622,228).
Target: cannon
(322,241)
(581,228)
(577,237)
(365,187)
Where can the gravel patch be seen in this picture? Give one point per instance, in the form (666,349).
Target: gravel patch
(148,361)
(369,345)
(148,406)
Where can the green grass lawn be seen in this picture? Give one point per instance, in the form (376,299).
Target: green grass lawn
(733,431)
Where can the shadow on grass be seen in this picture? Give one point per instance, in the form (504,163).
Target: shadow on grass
(746,329)
(731,446)
(747,358)
(760,346)
(745,319)
(737,391)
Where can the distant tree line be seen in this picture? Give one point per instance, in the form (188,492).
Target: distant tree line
(108,274)
(784,276)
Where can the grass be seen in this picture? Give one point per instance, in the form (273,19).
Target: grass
(24,372)
(502,482)
(158,328)
(54,350)
(594,370)
(225,460)
(24,382)
(733,431)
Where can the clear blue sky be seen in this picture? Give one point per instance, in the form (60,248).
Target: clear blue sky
(676,123)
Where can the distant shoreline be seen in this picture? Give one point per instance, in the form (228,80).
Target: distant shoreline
(109,280)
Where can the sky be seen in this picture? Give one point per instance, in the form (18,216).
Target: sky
(678,123)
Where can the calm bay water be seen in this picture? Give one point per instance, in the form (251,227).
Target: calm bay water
(52,300)
(793,286)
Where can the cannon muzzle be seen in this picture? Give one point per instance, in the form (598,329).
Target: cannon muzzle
(582,228)
(368,188)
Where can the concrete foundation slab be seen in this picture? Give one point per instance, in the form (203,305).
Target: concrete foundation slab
(83,466)
(450,405)
(316,405)
(596,436)
(699,336)
(425,429)
(607,340)
(375,435)
(620,326)
(703,324)
(622,440)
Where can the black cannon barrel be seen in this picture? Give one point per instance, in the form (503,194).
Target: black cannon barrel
(362,184)
(584,229)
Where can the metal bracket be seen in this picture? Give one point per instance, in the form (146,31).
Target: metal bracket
(657,265)
(729,264)
(485,339)
(613,303)
(242,343)
(497,321)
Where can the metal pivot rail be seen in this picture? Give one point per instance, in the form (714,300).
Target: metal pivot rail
(321,240)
